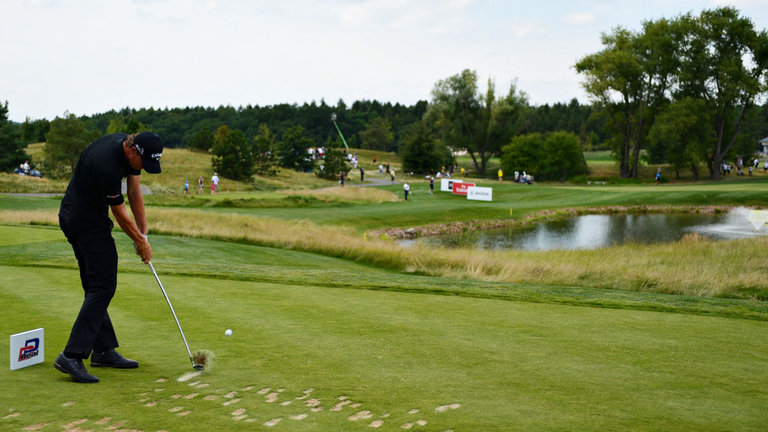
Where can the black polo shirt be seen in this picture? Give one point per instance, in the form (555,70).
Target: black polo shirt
(97,180)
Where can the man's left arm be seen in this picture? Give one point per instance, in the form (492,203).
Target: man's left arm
(136,201)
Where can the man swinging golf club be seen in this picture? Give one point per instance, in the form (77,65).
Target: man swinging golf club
(94,188)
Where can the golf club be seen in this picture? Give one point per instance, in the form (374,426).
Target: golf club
(194,365)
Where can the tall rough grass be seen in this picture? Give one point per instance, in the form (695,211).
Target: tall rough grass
(15,183)
(32,217)
(348,194)
(692,267)
(695,268)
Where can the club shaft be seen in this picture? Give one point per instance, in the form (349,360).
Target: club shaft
(172,311)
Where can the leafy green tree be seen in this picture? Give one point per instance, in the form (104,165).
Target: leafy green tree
(34,130)
(724,63)
(201,140)
(572,117)
(66,139)
(470,120)
(42,127)
(754,125)
(679,136)
(563,157)
(421,152)
(523,153)
(232,154)
(292,149)
(116,124)
(335,162)
(133,126)
(556,156)
(11,148)
(27,130)
(378,134)
(265,152)
(631,79)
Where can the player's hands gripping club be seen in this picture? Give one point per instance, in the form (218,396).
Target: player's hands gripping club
(143,249)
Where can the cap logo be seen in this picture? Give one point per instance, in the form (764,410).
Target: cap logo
(156,156)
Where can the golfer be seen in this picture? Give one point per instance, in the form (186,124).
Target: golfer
(83,216)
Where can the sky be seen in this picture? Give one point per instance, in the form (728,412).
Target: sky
(91,56)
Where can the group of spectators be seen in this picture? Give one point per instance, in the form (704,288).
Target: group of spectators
(214,184)
(316,153)
(727,167)
(27,170)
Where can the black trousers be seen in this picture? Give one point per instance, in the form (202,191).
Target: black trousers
(94,247)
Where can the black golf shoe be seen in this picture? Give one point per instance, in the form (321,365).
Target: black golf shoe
(75,368)
(113,359)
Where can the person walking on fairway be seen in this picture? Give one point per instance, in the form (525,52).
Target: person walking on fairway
(215,183)
(95,188)
(406,189)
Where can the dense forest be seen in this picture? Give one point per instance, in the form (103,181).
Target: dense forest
(177,126)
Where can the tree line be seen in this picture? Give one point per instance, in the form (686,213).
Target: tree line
(269,136)
(682,91)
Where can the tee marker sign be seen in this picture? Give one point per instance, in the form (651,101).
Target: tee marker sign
(27,348)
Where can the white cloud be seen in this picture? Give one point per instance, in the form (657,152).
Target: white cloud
(578,18)
(90,56)
(523,29)
(738,4)
(374,12)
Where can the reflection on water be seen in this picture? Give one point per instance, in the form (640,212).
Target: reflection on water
(597,231)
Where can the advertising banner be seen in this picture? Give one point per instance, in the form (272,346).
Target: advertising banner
(480,193)
(461,188)
(446,184)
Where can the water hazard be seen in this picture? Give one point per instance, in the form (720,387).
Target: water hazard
(598,231)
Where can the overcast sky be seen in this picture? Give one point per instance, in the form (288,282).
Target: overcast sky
(91,56)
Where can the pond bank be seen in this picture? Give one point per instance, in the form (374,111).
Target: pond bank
(538,217)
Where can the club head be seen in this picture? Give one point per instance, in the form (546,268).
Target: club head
(198,367)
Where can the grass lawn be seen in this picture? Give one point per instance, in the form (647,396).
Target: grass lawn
(336,328)
(336,221)
(364,355)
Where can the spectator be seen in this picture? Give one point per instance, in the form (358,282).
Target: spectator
(215,183)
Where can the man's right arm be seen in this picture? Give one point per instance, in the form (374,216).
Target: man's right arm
(143,249)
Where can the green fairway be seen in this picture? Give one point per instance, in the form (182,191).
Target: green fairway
(335,327)
(318,355)
(510,200)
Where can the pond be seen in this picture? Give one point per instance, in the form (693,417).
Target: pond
(598,231)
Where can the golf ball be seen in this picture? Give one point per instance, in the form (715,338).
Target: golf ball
(228,332)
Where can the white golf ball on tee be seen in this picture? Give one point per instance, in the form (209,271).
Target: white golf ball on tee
(228,332)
